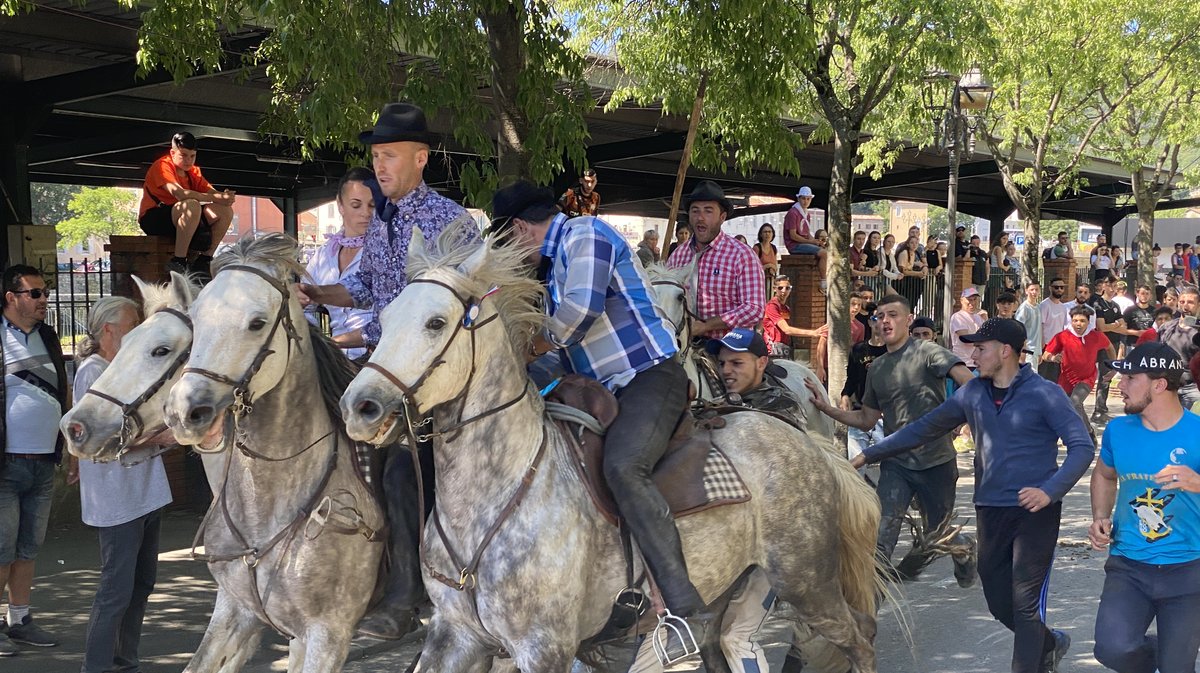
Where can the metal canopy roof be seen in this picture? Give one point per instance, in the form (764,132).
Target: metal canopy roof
(101,126)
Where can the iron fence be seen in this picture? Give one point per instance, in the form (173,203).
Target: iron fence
(77,285)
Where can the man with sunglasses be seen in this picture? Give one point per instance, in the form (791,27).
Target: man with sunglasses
(777,327)
(1055,315)
(35,397)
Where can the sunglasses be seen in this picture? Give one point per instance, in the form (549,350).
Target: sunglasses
(1058,287)
(35,293)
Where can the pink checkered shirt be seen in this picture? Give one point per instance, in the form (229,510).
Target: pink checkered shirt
(729,280)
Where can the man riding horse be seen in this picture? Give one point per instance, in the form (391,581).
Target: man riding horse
(602,321)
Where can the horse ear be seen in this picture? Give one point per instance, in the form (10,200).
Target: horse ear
(416,243)
(142,287)
(182,290)
(476,261)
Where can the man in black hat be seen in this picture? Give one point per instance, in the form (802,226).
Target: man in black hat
(602,321)
(730,286)
(399,152)
(1017,418)
(1148,471)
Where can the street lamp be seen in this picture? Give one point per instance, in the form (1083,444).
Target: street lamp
(957,111)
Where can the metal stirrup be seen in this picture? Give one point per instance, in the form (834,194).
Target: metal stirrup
(669,626)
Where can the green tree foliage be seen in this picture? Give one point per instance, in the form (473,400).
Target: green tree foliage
(496,75)
(51,202)
(1056,93)
(99,212)
(1158,129)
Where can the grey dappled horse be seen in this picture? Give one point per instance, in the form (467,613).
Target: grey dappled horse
(124,407)
(292,536)
(545,565)
(674,291)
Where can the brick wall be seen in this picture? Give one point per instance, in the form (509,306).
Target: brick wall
(807,300)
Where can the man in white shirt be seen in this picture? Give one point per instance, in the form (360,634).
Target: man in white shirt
(1055,317)
(966,321)
(1029,314)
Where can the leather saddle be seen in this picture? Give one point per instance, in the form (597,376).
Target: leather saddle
(694,474)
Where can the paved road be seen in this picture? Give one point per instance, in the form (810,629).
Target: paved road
(950,628)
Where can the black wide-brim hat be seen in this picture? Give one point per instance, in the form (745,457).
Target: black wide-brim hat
(707,190)
(398,123)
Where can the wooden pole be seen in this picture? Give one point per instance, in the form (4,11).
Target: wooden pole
(684,162)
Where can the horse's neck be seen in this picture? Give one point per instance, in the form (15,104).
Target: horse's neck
(479,467)
(289,419)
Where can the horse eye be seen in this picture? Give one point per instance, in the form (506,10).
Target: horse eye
(257,324)
(435,324)
(160,352)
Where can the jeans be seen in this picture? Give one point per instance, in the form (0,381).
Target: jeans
(859,441)
(1189,395)
(651,406)
(1078,396)
(805,249)
(1102,385)
(934,488)
(1136,593)
(1016,550)
(128,568)
(25,489)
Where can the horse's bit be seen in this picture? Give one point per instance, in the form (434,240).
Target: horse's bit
(132,424)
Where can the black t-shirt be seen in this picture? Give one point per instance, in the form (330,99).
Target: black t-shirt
(1138,318)
(979,274)
(997,394)
(862,354)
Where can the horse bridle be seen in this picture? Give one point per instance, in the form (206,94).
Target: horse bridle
(242,399)
(468,323)
(132,424)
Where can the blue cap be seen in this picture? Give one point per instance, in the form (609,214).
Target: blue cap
(742,340)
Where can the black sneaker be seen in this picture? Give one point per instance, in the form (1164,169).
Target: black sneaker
(199,268)
(178,265)
(1051,659)
(966,568)
(7,647)
(28,633)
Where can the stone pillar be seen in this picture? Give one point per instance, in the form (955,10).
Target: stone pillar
(1059,268)
(807,300)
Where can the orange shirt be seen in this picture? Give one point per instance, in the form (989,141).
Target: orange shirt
(163,171)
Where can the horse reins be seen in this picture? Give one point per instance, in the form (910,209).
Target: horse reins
(131,417)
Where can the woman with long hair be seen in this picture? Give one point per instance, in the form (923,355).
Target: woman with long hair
(767,253)
(912,271)
(889,268)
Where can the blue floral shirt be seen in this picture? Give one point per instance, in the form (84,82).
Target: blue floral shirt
(381,275)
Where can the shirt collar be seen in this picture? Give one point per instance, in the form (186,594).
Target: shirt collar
(12,325)
(411,199)
(717,243)
(553,235)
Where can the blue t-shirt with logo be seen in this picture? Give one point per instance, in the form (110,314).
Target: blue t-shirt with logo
(1152,524)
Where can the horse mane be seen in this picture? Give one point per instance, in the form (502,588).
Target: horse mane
(156,297)
(519,300)
(278,252)
(334,370)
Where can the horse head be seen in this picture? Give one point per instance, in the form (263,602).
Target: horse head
(675,295)
(245,333)
(124,406)
(466,308)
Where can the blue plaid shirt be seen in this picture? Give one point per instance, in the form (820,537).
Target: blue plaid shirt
(601,306)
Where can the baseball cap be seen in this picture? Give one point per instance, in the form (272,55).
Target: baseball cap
(970,292)
(742,340)
(960,227)
(1005,330)
(1152,357)
(922,321)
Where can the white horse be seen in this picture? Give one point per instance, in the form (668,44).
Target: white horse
(518,560)
(292,537)
(674,291)
(124,407)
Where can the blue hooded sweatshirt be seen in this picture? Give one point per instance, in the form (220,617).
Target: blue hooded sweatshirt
(1016,443)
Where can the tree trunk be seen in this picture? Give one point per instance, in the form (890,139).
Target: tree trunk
(506,45)
(837,276)
(1033,251)
(1146,198)
(684,162)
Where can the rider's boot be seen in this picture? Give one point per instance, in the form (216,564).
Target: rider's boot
(396,613)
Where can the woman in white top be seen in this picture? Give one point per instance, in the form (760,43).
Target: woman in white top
(891,270)
(124,504)
(1101,263)
(338,259)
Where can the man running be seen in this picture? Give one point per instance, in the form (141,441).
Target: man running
(903,384)
(1148,471)
(1017,419)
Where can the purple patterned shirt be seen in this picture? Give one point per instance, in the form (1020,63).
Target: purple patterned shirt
(381,276)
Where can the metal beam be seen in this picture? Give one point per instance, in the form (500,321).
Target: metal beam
(133,140)
(926,176)
(151,111)
(635,148)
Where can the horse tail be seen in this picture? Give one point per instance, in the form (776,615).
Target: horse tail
(858,519)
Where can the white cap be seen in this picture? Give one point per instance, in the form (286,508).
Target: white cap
(805,191)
